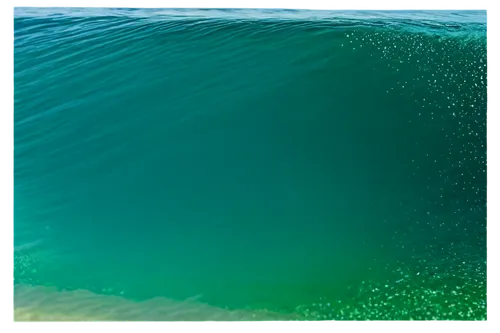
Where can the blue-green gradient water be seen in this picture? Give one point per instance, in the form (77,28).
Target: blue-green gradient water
(309,164)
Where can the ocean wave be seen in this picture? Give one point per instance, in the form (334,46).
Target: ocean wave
(441,17)
(255,157)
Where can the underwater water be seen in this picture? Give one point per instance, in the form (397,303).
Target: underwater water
(249,164)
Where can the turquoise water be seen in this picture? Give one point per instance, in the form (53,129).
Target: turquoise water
(316,165)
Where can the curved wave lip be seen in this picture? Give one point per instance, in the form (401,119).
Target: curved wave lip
(439,16)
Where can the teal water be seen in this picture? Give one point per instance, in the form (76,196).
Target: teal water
(319,165)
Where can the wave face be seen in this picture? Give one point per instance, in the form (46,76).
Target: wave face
(325,165)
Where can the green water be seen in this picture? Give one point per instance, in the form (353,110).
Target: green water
(330,165)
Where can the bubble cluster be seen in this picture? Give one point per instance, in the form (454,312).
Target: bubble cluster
(25,268)
(432,286)
(443,277)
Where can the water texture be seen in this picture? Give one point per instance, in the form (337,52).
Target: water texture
(249,164)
